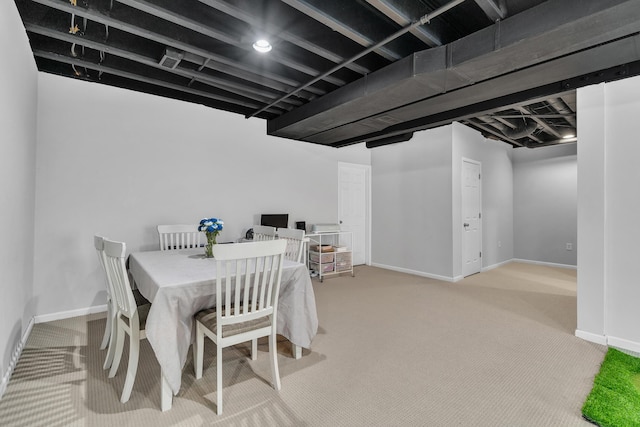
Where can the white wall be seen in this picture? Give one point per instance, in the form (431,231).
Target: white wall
(119,163)
(497,196)
(545,182)
(417,191)
(622,211)
(608,208)
(18,102)
(591,213)
(411,204)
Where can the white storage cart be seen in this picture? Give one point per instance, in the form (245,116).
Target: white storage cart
(330,253)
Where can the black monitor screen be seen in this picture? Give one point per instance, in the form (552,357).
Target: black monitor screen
(275,220)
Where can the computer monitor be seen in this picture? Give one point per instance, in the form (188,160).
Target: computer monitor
(275,220)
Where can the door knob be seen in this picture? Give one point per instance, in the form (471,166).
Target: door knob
(466,224)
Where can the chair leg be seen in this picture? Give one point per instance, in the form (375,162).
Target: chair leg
(118,351)
(218,379)
(273,350)
(108,361)
(107,328)
(132,368)
(198,351)
(254,349)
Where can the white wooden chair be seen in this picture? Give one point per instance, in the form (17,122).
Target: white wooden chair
(98,242)
(247,288)
(179,236)
(263,232)
(130,318)
(295,243)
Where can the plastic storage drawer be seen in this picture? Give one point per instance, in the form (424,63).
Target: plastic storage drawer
(326,268)
(343,257)
(322,258)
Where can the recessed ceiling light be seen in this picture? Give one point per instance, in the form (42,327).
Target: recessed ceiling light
(262,46)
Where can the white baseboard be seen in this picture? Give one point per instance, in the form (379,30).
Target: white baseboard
(622,344)
(482,270)
(548,264)
(627,346)
(14,358)
(588,336)
(71,313)
(491,267)
(414,272)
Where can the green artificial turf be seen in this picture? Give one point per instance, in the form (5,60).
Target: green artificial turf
(614,400)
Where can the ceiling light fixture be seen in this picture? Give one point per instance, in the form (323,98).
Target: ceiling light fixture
(568,136)
(262,46)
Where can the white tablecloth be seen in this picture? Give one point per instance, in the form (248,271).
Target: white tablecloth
(180,283)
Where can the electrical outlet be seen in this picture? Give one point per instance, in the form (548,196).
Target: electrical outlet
(499,244)
(569,246)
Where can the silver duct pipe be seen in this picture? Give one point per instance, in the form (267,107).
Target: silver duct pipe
(559,105)
(524,128)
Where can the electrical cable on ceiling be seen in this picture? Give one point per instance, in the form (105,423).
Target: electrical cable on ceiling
(73,29)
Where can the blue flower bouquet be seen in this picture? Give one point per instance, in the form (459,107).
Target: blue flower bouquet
(211,227)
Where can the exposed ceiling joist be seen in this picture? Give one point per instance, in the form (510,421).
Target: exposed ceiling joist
(494,9)
(401,17)
(335,22)
(103,68)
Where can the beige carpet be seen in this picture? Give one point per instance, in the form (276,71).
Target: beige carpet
(496,349)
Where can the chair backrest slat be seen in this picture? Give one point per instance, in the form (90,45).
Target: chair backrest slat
(248,280)
(263,232)
(246,291)
(98,243)
(295,239)
(179,236)
(269,279)
(114,258)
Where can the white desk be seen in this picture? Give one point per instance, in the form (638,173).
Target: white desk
(180,283)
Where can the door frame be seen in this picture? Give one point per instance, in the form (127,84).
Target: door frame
(367,226)
(480,240)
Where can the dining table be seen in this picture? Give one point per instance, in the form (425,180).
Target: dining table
(179,283)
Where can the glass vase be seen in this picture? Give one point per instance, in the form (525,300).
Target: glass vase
(211,240)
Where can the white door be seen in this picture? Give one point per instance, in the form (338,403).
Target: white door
(471,217)
(353,207)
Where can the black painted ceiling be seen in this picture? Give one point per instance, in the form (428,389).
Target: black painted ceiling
(347,71)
